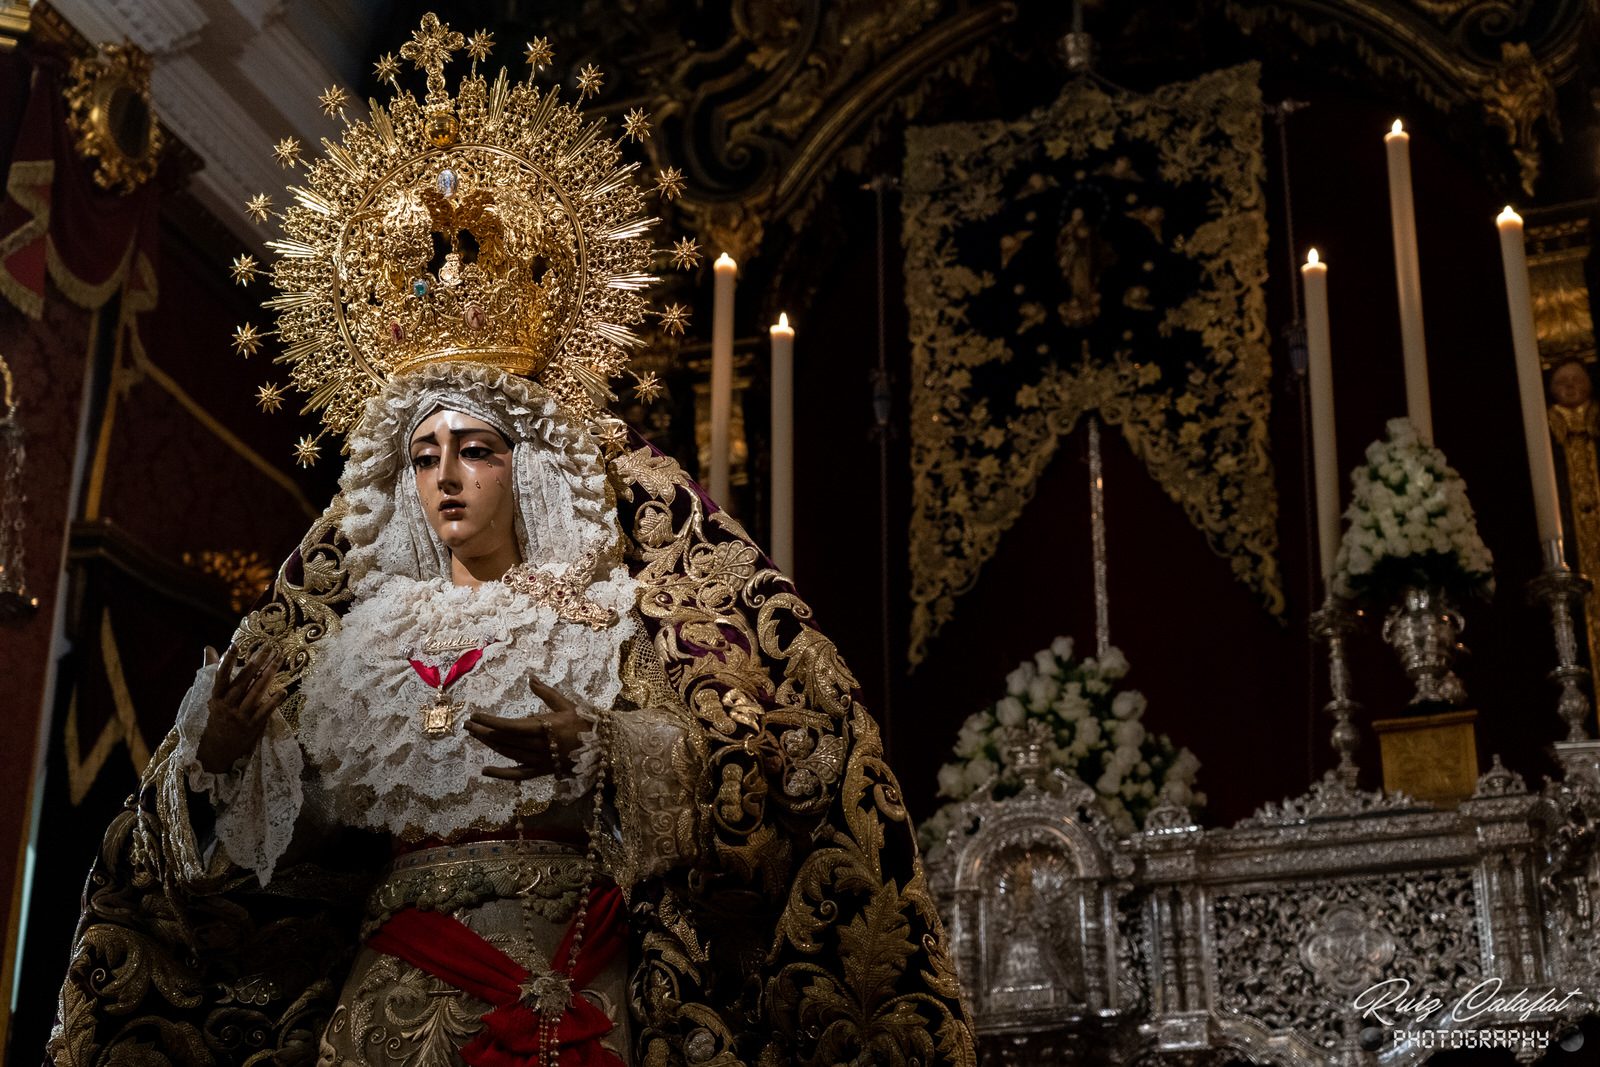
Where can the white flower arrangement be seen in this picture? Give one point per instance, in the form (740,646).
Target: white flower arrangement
(1095,735)
(1409,523)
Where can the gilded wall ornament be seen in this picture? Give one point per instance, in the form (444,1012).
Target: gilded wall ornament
(109,113)
(15,598)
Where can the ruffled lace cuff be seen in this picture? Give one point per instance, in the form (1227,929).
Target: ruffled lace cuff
(258,800)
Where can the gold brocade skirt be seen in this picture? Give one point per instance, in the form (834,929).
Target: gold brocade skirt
(519,896)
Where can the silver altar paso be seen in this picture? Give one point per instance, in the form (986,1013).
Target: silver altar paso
(1187,945)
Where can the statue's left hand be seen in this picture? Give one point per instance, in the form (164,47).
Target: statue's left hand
(527,740)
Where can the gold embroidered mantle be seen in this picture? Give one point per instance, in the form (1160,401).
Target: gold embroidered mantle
(1106,254)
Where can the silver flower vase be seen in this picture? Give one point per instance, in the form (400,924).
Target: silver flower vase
(1423,629)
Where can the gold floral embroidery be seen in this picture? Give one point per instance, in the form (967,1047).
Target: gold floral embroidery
(1000,372)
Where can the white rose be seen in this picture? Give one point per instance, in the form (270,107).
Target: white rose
(1108,783)
(1128,704)
(952,780)
(1017,681)
(1042,691)
(1062,647)
(1045,661)
(1129,736)
(1089,731)
(978,772)
(1113,664)
(1072,706)
(1010,712)
(1096,685)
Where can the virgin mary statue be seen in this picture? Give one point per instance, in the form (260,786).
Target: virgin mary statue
(528,756)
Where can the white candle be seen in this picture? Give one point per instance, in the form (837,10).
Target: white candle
(1325,459)
(783,444)
(726,271)
(1408,280)
(1530,381)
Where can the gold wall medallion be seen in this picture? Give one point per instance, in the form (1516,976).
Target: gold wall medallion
(111,118)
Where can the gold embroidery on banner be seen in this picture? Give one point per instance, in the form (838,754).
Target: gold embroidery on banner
(977,455)
(801,808)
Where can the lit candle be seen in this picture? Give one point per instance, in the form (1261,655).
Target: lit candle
(783,444)
(722,377)
(1408,280)
(1530,381)
(1325,459)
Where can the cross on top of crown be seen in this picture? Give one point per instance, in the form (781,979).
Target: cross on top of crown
(430,47)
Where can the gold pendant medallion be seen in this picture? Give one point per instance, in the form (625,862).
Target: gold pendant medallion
(439,717)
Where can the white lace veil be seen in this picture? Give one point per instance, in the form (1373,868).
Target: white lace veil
(558,476)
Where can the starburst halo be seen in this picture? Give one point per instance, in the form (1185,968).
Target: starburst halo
(287,152)
(669,183)
(686,253)
(539,55)
(334,100)
(269,397)
(636,125)
(647,388)
(306,451)
(246,340)
(674,317)
(244,269)
(359,300)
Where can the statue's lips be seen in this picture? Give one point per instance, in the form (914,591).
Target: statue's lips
(452,509)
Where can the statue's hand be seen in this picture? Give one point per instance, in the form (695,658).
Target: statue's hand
(239,707)
(528,740)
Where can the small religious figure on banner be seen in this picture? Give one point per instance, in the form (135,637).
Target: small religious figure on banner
(1083,255)
(1575,425)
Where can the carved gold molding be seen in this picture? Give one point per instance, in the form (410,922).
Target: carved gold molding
(1453,53)
(111,118)
(15,22)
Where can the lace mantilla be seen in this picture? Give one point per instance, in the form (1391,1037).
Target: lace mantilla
(362,724)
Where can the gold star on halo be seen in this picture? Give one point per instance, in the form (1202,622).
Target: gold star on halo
(244,269)
(430,47)
(647,387)
(258,206)
(269,397)
(686,253)
(615,436)
(333,100)
(589,80)
(674,317)
(479,45)
(246,340)
(669,183)
(287,152)
(636,125)
(305,451)
(387,69)
(539,54)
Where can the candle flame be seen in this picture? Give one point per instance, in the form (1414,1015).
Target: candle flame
(1312,259)
(1397,128)
(1508,216)
(725,260)
(783,317)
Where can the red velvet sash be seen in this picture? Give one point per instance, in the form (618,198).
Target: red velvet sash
(449,950)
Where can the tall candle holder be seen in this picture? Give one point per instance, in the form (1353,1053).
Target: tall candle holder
(1332,623)
(1561,587)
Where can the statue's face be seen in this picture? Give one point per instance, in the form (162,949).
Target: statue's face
(463,470)
(1570,385)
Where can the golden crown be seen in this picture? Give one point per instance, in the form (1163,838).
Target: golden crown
(494,226)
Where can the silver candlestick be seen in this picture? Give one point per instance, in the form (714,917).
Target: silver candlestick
(1561,588)
(1333,622)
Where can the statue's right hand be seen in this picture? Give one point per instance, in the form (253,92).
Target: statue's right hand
(240,706)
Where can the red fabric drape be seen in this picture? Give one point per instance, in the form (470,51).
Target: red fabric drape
(55,219)
(450,951)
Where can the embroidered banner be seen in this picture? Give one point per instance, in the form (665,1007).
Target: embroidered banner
(1104,255)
